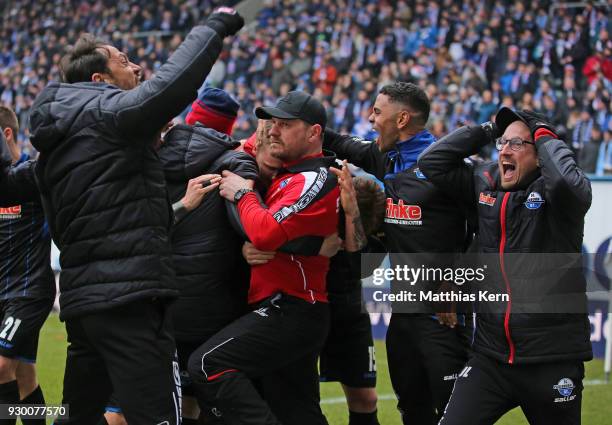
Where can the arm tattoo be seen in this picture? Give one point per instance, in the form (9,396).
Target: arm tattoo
(360,237)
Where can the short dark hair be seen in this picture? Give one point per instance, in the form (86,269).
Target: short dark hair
(372,203)
(8,119)
(88,56)
(411,96)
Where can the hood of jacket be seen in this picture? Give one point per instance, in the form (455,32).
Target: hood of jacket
(56,111)
(407,151)
(187,150)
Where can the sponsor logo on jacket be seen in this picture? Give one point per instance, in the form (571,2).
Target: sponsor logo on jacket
(486,199)
(401,213)
(534,201)
(10,213)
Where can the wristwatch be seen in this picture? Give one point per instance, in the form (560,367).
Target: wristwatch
(239,194)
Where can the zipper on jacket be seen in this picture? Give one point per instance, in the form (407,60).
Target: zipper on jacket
(502,247)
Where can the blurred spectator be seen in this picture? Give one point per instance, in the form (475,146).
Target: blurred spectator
(325,76)
(599,64)
(487,107)
(471,56)
(590,151)
(582,131)
(604,158)
(438,128)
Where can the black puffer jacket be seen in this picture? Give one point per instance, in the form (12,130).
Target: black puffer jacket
(211,276)
(533,238)
(102,184)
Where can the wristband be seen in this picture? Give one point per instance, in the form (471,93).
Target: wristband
(541,132)
(180,211)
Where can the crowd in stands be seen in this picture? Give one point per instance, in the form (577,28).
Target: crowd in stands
(471,57)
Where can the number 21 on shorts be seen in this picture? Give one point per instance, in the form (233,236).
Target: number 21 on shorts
(10,327)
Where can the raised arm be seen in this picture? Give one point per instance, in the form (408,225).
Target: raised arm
(566,185)
(444,162)
(354,235)
(362,153)
(152,104)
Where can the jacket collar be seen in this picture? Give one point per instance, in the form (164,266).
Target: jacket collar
(407,151)
(311,162)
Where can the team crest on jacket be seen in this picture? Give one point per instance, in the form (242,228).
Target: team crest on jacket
(419,174)
(400,213)
(565,386)
(10,213)
(486,199)
(534,201)
(284,183)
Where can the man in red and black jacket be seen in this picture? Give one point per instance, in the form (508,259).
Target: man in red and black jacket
(530,206)
(283,335)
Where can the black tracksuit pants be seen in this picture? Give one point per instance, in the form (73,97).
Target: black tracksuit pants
(277,344)
(128,349)
(548,393)
(424,359)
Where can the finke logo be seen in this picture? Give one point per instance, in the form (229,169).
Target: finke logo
(402,214)
(10,212)
(534,201)
(486,199)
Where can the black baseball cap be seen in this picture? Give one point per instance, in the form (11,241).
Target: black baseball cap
(506,116)
(296,105)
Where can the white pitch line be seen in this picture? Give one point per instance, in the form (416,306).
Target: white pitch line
(596,382)
(340,400)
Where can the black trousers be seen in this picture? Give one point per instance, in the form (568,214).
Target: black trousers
(424,359)
(128,349)
(277,344)
(548,393)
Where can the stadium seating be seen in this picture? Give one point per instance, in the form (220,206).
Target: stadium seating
(470,58)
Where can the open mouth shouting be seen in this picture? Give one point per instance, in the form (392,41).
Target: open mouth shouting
(508,170)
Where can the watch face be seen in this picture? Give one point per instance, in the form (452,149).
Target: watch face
(240,194)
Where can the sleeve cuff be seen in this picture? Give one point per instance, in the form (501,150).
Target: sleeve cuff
(180,211)
(245,197)
(544,132)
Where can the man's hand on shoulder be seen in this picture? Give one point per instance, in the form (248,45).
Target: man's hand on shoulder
(197,188)
(231,183)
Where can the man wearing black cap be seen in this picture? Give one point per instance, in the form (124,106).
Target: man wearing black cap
(529,205)
(281,338)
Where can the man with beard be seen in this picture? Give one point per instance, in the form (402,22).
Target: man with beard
(348,356)
(106,203)
(424,351)
(281,338)
(530,347)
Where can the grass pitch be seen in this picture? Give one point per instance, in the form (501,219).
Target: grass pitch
(597,399)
